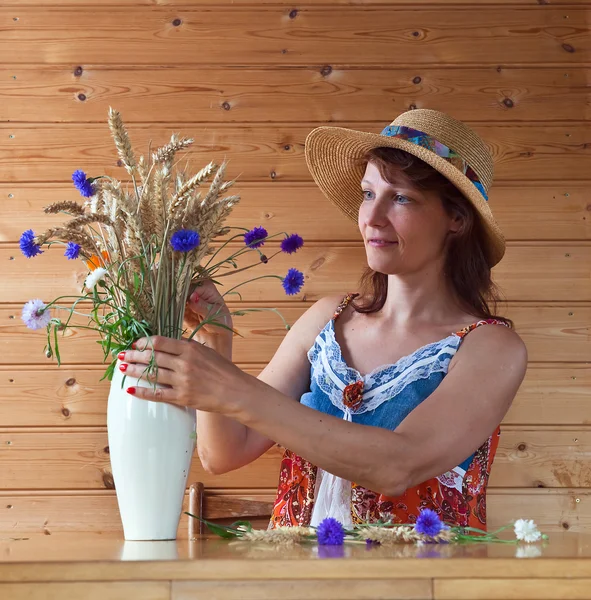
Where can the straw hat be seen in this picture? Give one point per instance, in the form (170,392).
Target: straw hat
(446,144)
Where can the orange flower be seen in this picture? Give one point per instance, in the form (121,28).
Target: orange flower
(98,261)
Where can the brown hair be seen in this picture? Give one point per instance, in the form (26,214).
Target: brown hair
(466,262)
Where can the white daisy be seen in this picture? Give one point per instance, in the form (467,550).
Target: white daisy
(526,530)
(94,277)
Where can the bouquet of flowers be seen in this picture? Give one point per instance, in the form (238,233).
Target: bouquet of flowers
(147,246)
(428,529)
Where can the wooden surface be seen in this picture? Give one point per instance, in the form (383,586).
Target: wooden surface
(271,153)
(136,35)
(249,79)
(102,566)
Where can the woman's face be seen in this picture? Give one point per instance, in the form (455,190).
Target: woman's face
(404,228)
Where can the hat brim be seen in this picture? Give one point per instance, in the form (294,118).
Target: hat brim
(332,154)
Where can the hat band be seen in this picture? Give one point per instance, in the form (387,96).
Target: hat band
(420,138)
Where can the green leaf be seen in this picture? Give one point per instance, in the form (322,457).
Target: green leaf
(246,524)
(225,532)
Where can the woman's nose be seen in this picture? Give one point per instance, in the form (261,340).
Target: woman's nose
(376,214)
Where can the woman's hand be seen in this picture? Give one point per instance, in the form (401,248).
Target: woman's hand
(193,375)
(206,304)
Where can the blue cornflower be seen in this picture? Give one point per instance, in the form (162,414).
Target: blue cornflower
(255,238)
(330,532)
(28,245)
(291,243)
(185,240)
(72,251)
(428,523)
(293,282)
(82,183)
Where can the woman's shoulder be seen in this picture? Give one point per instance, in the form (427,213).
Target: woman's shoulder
(490,338)
(315,319)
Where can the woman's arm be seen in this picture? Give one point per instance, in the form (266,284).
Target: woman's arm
(225,444)
(438,435)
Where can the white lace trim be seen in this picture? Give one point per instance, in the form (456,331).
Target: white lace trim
(332,374)
(453,479)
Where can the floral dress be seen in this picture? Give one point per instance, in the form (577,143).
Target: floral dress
(382,398)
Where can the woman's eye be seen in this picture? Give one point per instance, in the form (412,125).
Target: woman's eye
(405,199)
(364,192)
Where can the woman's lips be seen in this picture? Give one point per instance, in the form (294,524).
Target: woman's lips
(381,243)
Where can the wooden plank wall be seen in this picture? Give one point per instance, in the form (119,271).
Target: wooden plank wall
(249,80)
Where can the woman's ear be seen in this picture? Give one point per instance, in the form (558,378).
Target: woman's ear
(457,222)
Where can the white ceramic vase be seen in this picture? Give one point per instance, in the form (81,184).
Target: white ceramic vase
(151,445)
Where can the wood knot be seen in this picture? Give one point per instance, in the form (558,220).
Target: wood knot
(177,23)
(71,381)
(82,97)
(508,103)
(78,71)
(108,481)
(539,484)
(417,80)
(326,70)
(565,525)
(412,107)
(106,450)
(499,69)
(568,48)
(287,147)
(293,14)
(65,412)
(273,174)
(226,106)
(284,51)
(353,395)
(119,163)
(317,263)
(521,447)
(415,34)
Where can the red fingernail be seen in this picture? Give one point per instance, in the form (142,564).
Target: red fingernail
(133,345)
(121,355)
(131,390)
(123,367)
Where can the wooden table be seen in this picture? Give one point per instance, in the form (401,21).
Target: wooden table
(104,567)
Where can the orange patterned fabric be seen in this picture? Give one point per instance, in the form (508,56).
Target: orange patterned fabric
(458,497)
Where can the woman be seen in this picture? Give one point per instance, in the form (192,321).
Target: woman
(396,407)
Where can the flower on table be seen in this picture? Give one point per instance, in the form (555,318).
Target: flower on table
(330,532)
(72,251)
(293,282)
(94,277)
(82,183)
(292,243)
(35,314)
(255,238)
(428,523)
(526,530)
(29,247)
(185,240)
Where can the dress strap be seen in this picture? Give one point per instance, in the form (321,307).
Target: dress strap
(344,303)
(464,332)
